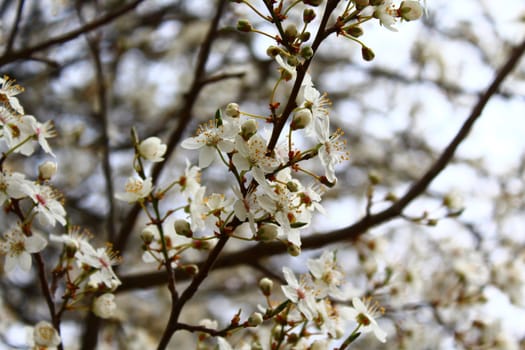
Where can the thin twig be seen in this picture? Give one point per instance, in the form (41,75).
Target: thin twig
(14,29)
(29,51)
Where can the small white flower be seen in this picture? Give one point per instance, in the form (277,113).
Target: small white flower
(45,335)
(14,185)
(252,153)
(327,275)
(332,151)
(190,182)
(49,209)
(299,294)
(104,306)
(136,189)
(152,149)
(8,91)
(101,260)
(209,140)
(364,315)
(18,248)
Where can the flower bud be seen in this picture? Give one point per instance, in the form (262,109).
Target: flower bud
(243,25)
(255,319)
(148,234)
(47,170)
(301,119)
(290,32)
(293,249)
(183,228)
(45,335)
(305,36)
(354,31)
(306,52)
(267,232)
(248,129)
(367,53)
(374,178)
(152,149)
(410,10)
(308,15)
(232,110)
(266,285)
(104,306)
(273,51)
(292,186)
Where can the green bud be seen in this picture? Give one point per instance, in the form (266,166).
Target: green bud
(306,52)
(354,31)
(308,15)
(248,129)
(255,319)
(301,119)
(290,32)
(305,36)
(292,186)
(273,51)
(266,285)
(267,232)
(147,235)
(183,228)
(367,53)
(293,250)
(374,178)
(243,25)
(232,110)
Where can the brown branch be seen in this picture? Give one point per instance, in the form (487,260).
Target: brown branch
(26,53)
(14,29)
(189,292)
(352,232)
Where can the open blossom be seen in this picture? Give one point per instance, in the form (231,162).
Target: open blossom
(14,185)
(190,182)
(300,294)
(209,139)
(152,149)
(332,151)
(252,153)
(327,275)
(101,260)
(136,189)
(18,248)
(20,132)
(311,99)
(364,315)
(48,206)
(8,91)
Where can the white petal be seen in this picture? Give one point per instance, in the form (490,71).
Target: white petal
(35,243)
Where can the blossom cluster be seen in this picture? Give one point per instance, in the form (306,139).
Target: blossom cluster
(85,270)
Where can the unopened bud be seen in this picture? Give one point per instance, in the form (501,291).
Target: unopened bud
(243,25)
(374,178)
(354,31)
(232,110)
(290,32)
(410,10)
(47,170)
(306,52)
(248,129)
(273,51)
(301,119)
(255,319)
(266,286)
(305,36)
(183,228)
(367,53)
(293,249)
(308,15)
(45,335)
(267,232)
(292,186)
(147,235)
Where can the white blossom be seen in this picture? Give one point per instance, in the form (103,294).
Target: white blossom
(18,248)
(152,149)
(104,306)
(136,189)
